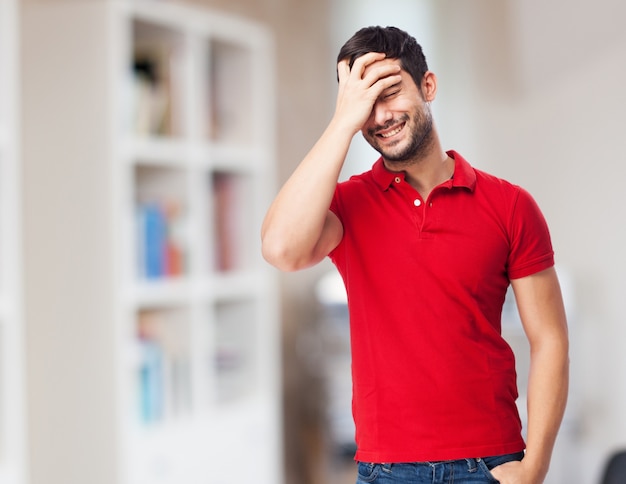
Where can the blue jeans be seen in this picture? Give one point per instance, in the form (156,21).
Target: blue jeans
(463,471)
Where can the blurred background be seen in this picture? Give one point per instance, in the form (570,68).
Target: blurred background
(202,364)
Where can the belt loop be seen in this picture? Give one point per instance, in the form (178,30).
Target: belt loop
(472,464)
(386,467)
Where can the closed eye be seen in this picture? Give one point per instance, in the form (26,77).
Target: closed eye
(392,91)
(391,94)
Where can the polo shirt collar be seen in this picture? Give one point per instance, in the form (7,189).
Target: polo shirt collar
(464,175)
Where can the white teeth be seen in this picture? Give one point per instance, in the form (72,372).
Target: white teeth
(391,133)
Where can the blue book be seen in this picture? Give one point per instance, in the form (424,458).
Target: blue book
(155,234)
(151,382)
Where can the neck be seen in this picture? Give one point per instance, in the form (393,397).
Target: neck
(427,170)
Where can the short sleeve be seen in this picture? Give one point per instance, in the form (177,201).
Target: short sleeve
(531,248)
(335,207)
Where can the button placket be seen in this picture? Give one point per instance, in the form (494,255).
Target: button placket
(415,199)
(429,213)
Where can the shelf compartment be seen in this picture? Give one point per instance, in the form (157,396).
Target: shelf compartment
(163,365)
(161,221)
(233,206)
(157,80)
(234,353)
(230,93)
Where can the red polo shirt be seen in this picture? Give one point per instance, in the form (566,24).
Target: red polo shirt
(426,279)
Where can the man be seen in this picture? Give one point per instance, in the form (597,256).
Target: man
(427,246)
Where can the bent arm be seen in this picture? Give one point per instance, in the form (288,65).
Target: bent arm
(299,230)
(541,309)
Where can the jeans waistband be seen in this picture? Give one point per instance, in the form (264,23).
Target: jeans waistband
(472,463)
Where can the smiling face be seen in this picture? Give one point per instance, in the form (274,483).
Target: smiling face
(400,126)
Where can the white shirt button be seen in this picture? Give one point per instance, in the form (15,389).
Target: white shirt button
(417,202)
(398,179)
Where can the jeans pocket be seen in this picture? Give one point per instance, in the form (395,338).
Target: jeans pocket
(485,470)
(368,472)
(497,460)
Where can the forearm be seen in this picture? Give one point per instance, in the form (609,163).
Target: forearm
(295,221)
(541,309)
(298,230)
(547,397)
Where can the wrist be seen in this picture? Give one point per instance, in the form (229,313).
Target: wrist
(343,126)
(535,469)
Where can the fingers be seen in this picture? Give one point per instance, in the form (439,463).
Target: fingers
(361,63)
(369,68)
(343,70)
(385,73)
(507,472)
(361,85)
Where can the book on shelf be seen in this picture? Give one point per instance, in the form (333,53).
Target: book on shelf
(151,393)
(155,91)
(232,228)
(164,383)
(160,244)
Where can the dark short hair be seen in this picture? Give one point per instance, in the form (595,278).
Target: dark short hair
(393,42)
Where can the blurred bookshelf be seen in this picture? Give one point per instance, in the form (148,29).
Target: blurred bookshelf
(188,115)
(12,428)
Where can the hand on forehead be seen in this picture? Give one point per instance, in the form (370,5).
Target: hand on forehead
(381,63)
(374,66)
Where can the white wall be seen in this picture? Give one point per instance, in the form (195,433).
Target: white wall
(534,92)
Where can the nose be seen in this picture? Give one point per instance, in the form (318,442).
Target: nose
(381,114)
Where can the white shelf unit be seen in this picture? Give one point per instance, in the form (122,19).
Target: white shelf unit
(185,108)
(12,429)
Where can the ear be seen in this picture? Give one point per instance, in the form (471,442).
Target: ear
(429,86)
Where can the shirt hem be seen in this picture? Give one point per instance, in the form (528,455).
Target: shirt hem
(430,455)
